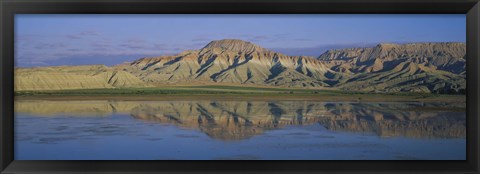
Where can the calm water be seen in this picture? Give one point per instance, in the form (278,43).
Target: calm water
(250,130)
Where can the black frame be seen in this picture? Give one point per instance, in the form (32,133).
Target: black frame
(8,8)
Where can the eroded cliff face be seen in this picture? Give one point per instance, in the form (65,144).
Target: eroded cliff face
(415,67)
(233,62)
(236,120)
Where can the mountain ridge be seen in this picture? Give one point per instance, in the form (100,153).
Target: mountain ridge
(415,67)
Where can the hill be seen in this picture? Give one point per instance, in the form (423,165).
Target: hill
(414,67)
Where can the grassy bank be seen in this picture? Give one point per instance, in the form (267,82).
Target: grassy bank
(182,90)
(231,93)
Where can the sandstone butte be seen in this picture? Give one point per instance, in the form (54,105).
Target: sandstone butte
(414,67)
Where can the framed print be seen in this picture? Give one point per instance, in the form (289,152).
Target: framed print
(289,87)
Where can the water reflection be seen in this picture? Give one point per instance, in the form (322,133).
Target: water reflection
(237,120)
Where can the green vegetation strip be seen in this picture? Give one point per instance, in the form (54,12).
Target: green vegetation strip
(175,90)
(219,90)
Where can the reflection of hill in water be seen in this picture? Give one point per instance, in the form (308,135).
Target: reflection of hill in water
(73,108)
(229,120)
(387,120)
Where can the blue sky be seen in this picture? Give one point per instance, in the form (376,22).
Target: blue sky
(59,39)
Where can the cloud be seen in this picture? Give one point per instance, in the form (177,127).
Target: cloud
(74,49)
(101,44)
(189,46)
(142,46)
(71,36)
(160,46)
(302,39)
(83,34)
(42,46)
(136,41)
(89,33)
(29,63)
(26,37)
(261,38)
(43,51)
(135,44)
(34,58)
(201,40)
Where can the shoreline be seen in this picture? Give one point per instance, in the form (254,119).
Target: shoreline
(325,98)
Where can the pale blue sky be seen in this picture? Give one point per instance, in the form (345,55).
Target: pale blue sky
(42,40)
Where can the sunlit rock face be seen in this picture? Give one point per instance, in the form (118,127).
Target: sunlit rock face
(237,120)
(417,67)
(231,61)
(74,77)
(414,67)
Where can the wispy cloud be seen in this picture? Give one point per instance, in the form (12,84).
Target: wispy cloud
(189,46)
(160,46)
(101,44)
(135,44)
(50,46)
(74,49)
(89,33)
(136,41)
(201,39)
(83,34)
(302,39)
(26,37)
(262,38)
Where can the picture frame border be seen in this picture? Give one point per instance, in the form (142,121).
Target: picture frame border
(8,9)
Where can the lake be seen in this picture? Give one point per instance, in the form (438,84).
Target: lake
(238,130)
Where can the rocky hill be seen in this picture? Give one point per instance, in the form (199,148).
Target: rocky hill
(74,77)
(233,62)
(418,67)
